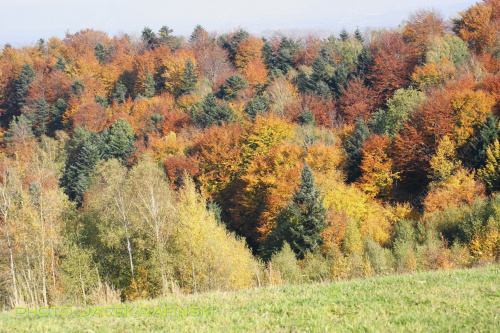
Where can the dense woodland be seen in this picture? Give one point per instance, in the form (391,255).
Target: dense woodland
(134,168)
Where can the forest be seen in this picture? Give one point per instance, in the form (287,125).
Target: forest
(134,168)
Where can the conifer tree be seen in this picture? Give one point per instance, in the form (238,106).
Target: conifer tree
(120,141)
(38,115)
(344,35)
(22,85)
(149,85)
(189,78)
(353,148)
(359,36)
(302,222)
(213,113)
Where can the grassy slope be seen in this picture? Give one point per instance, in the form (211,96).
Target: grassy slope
(458,301)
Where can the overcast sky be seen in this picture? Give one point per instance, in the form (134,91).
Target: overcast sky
(25,21)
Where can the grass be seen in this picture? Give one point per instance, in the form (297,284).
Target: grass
(434,301)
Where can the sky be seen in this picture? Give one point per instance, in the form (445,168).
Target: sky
(23,22)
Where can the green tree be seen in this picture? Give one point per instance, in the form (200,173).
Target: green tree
(21,86)
(38,115)
(344,35)
(353,149)
(302,222)
(477,148)
(359,36)
(120,92)
(232,87)
(149,85)
(149,38)
(258,105)
(101,53)
(189,78)
(212,113)
(120,140)
(165,38)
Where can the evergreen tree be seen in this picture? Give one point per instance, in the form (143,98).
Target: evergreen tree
(60,64)
(488,133)
(21,86)
(120,92)
(56,114)
(189,78)
(149,38)
(149,85)
(359,36)
(302,222)
(258,105)
(101,53)
(232,41)
(38,115)
(212,113)
(232,87)
(307,117)
(77,88)
(353,147)
(165,38)
(344,35)
(120,140)
(102,100)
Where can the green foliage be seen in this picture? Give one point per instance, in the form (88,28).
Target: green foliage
(302,222)
(400,107)
(284,267)
(212,113)
(56,114)
(120,92)
(474,154)
(189,78)
(21,86)
(232,87)
(38,114)
(447,47)
(165,38)
(258,105)
(101,53)
(353,149)
(149,85)
(120,140)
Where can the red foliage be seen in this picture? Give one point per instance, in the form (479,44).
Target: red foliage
(356,101)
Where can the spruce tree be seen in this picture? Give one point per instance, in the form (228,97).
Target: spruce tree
(101,53)
(359,36)
(488,133)
(165,38)
(233,86)
(212,113)
(120,140)
(21,86)
(120,92)
(303,221)
(38,114)
(353,147)
(56,114)
(344,35)
(189,78)
(149,85)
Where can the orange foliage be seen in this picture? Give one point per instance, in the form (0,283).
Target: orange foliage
(248,50)
(356,101)
(90,115)
(255,72)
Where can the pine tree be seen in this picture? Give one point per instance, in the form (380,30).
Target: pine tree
(344,35)
(230,90)
(353,148)
(21,86)
(149,38)
(304,219)
(38,115)
(60,64)
(120,141)
(359,36)
(165,38)
(120,92)
(149,85)
(101,53)
(189,78)
(488,133)
(213,113)
(56,114)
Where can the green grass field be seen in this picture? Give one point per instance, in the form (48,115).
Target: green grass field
(443,301)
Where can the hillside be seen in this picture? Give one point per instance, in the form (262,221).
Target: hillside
(433,301)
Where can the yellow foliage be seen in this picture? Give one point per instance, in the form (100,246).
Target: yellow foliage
(174,68)
(444,163)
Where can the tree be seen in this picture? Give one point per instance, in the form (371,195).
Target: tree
(149,38)
(303,220)
(490,173)
(120,141)
(476,26)
(421,26)
(165,38)
(474,154)
(38,114)
(149,85)
(353,149)
(359,36)
(21,86)
(120,92)
(101,53)
(232,88)
(344,35)
(189,78)
(212,113)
